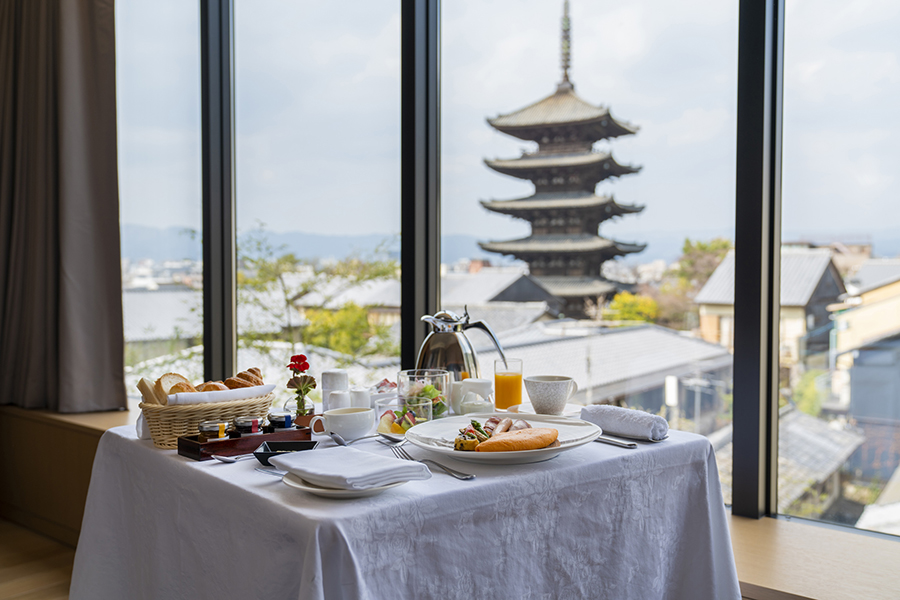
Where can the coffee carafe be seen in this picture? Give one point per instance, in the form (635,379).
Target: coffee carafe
(448,348)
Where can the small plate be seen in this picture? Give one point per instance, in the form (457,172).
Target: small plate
(296,482)
(270,449)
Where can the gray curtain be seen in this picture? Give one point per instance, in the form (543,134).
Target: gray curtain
(61,336)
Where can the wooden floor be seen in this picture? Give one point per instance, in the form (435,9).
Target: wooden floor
(32,567)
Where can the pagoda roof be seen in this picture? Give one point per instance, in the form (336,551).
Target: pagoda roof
(600,164)
(563,286)
(561,201)
(561,243)
(561,108)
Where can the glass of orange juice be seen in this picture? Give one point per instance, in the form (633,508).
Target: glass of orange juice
(507,383)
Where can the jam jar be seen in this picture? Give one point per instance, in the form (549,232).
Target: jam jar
(211,431)
(248,425)
(281,419)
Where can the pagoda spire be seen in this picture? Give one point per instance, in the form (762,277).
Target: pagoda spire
(566,47)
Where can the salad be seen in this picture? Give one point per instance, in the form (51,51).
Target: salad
(439,403)
(398,421)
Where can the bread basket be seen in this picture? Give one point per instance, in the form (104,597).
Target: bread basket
(168,423)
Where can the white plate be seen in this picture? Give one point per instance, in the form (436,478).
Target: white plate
(301,484)
(438,435)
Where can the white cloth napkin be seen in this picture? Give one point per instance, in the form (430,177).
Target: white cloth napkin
(220,395)
(142,429)
(349,469)
(626,421)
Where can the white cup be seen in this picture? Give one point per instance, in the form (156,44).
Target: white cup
(333,379)
(549,393)
(359,398)
(349,423)
(339,399)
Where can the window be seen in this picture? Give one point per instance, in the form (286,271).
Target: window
(839,405)
(158,103)
(317,115)
(588,211)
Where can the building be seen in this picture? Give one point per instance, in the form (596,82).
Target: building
(564,251)
(810,283)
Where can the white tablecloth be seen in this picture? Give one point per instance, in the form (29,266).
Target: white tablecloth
(594,522)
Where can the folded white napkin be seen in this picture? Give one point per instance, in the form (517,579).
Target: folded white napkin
(143,430)
(348,468)
(626,421)
(221,395)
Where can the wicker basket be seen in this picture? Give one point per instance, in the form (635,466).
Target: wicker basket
(168,423)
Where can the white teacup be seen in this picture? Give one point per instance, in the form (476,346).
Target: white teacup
(549,393)
(349,423)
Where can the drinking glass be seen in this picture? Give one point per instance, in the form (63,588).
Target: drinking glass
(507,383)
(426,384)
(392,414)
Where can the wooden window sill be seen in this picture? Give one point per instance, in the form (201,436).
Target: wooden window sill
(784,559)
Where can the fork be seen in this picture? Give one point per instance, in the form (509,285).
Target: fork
(404,455)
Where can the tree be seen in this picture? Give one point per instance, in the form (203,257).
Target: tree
(626,306)
(674,296)
(807,396)
(269,285)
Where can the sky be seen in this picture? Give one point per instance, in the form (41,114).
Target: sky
(317,112)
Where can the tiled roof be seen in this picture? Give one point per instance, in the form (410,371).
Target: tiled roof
(562,243)
(607,361)
(568,287)
(809,451)
(501,316)
(561,201)
(477,288)
(801,271)
(580,159)
(873,274)
(562,107)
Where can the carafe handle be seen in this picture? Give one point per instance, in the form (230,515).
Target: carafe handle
(487,329)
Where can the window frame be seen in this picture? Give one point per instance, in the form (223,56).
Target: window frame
(757,215)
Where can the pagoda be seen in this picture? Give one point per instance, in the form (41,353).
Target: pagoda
(564,251)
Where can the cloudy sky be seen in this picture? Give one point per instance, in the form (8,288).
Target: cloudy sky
(317,111)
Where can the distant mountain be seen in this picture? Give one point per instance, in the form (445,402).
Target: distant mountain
(176,243)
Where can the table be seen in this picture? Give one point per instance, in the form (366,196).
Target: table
(595,522)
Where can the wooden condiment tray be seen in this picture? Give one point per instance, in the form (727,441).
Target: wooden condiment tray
(190,446)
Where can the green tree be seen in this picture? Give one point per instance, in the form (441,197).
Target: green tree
(271,281)
(807,396)
(626,306)
(698,261)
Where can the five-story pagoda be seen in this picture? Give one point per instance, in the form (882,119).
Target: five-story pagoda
(564,251)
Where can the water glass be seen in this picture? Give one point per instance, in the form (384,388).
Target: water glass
(426,384)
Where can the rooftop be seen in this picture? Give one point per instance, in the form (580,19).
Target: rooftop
(561,243)
(586,160)
(801,271)
(561,201)
(563,107)
(569,287)
(873,274)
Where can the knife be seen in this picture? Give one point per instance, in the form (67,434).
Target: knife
(614,442)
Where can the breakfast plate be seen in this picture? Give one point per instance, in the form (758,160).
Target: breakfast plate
(296,482)
(438,435)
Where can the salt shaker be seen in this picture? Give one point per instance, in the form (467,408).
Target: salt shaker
(333,380)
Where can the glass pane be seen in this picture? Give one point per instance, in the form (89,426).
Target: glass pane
(585,219)
(158,112)
(317,102)
(839,431)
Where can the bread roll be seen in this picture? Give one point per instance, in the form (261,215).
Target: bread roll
(182,388)
(164,385)
(234,383)
(247,376)
(146,388)
(212,386)
(523,439)
(256,371)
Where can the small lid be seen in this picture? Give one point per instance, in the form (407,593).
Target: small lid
(217,427)
(280,416)
(246,421)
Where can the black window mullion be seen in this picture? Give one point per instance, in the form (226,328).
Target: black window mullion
(420,223)
(219,328)
(757,257)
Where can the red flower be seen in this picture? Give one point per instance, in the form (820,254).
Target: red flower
(298,364)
